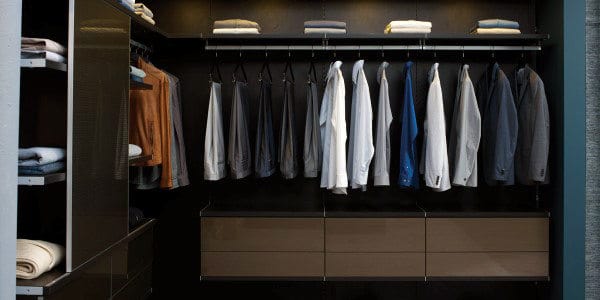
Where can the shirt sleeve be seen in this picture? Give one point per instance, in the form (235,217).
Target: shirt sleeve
(469,134)
(435,148)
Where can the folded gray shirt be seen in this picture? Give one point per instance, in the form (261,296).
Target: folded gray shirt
(235,23)
(325,24)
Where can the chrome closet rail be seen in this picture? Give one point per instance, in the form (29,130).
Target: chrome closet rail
(370,47)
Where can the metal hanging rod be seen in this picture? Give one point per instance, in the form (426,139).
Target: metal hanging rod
(140,45)
(369,47)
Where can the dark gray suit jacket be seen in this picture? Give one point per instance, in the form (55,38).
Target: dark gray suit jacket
(499,128)
(531,157)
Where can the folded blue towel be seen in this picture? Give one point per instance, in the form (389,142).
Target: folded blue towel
(136,78)
(42,169)
(497,23)
(325,24)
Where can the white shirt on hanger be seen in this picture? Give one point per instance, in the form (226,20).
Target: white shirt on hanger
(381,168)
(360,148)
(434,162)
(332,121)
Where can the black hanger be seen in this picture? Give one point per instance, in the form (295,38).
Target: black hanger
(288,67)
(262,70)
(240,65)
(312,71)
(215,67)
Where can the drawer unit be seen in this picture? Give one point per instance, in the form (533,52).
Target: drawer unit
(487,247)
(359,235)
(262,264)
(375,264)
(262,234)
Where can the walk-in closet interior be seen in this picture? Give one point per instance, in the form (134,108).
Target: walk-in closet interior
(260,211)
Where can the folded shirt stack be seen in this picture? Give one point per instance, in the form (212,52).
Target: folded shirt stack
(144,12)
(324,27)
(496,26)
(35,258)
(41,160)
(34,48)
(236,26)
(408,26)
(136,74)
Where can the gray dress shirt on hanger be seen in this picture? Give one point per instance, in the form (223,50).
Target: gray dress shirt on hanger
(312,138)
(533,143)
(499,127)
(179,171)
(360,146)
(239,156)
(465,133)
(264,154)
(384,120)
(214,144)
(288,153)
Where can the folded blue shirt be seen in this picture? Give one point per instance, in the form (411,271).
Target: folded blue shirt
(42,169)
(325,24)
(497,23)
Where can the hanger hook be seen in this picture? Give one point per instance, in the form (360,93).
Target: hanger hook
(382,52)
(289,52)
(312,51)
(334,52)
(434,52)
(266,53)
(358,51)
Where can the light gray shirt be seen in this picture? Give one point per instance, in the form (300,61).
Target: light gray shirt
(214,144)
(178,159)
(360,147)
(381,168)
(465,133)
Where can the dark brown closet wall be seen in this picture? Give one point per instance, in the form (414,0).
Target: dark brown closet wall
(178,210)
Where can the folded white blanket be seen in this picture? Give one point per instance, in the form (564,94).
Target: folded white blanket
(42,45)
(48,55)
(324,30)
(145,17)
(236,31)
(496,31)
(38,156)
(407,30)
(134,150)
(409,24)
(34,258)
(140,7)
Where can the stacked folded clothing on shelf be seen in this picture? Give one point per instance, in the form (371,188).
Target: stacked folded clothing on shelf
(408,26)
(136,74)
(134,150)
(496,26)
(144,12)
(41,160)
(35,48)
(127,4)
(35,258)
(324,27)
(236,26)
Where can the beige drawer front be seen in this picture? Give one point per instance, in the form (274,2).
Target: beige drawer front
(487,234)
(375,235)
(262,234)
(490,264)
(262,264)
(375,265)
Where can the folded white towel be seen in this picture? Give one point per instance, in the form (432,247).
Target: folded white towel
(496,31)
(134,150)
(146,17)
(407,30)
(324,30)
(35,258)
(38,156)
(236,31)
(409,24)
(42,45)
(47,55)
(140,7)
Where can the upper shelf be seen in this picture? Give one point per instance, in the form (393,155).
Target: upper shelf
(31,180)
(374,36)
(43,63)
(137,22)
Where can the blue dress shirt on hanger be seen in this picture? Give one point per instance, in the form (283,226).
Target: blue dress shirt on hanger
(409,175)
